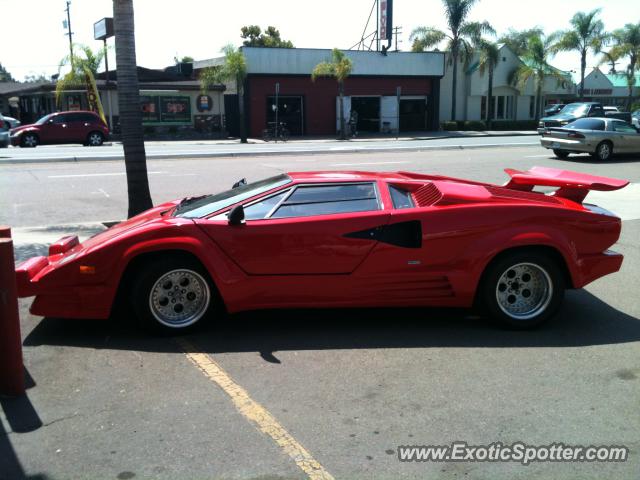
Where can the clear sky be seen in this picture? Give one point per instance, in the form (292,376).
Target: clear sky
(33,39)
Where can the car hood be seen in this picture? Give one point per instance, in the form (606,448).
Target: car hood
(23,127)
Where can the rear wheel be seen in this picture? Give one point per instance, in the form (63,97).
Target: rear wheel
(29,140)
(172,295)
(522,289)
(561,154)
(95,139)
(604,150)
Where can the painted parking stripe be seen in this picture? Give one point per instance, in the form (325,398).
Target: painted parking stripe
(255,413)
(113,174)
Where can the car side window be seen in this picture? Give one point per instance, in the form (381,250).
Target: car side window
(623,127)
(59,119)
(400,198)
(329,199)
(87,118)
(262,208)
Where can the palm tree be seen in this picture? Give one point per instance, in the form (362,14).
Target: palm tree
(130,112)
(626,43)
(535,66)
(489,56)
(83,64)
(234,68)
(587,34)
(516,40)
(462,33)
(340,68)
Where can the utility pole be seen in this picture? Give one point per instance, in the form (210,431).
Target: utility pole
(70,33)
(397,31)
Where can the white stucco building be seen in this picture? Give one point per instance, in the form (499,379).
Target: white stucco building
(509,102)
(609,89)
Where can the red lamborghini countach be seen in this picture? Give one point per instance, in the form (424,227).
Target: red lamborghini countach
(340,239)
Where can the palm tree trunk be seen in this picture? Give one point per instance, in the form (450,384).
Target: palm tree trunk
(539,97)
(243,129)
(454,83)
(343,135)
(583,67)
(490,95)
(130,112)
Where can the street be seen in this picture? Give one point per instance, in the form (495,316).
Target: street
(348,387)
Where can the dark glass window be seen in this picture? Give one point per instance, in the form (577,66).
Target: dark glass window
(261,209)
(587,124)
(400,198)
(623,127)
(329,199)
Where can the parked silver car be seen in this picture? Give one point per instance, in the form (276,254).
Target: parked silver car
(600,137)
(13,122)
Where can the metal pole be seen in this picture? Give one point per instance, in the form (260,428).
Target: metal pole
(398,93)
(70,34)
(277,92)
(106,68)
(377,25)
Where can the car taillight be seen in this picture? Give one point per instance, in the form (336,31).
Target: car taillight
(1,123)
(575,135)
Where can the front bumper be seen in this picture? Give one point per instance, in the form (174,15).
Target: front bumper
(593,266)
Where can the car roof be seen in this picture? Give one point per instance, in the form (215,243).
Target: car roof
(344,176)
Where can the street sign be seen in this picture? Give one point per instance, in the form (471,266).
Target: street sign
(103,29)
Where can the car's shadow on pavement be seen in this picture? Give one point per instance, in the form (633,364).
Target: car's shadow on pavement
(619,158)
(583,320)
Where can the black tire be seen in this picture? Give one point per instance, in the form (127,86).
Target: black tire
(266,135)
(502,295)
(561,154)
(94,139)
(284,134)
(29,140)
(604,151)
(148,295)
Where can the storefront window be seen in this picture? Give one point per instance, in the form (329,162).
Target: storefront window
(165,109)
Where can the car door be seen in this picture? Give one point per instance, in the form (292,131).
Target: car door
(312,229)
(55,130)
(627,138)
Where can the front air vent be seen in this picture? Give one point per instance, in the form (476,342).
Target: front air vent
(427,195)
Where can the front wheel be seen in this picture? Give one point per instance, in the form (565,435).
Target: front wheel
(172,295)
(95,139)
(522,289)
(561,154)
(29,140)
(266,135)
(284,134)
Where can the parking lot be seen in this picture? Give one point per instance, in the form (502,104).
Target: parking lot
(323,393)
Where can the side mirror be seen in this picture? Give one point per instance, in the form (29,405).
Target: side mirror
(236,215)
(239,183)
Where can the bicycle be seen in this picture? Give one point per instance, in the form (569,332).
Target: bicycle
(281,132)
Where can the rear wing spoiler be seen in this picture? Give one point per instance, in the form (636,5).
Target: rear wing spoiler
(571,185)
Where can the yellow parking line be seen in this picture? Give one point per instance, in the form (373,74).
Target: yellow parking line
(256,413)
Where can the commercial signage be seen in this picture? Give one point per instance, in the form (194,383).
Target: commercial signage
(165,109)
(204,103)
(103,29)
(385,29)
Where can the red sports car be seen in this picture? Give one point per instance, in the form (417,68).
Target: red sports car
(340,239)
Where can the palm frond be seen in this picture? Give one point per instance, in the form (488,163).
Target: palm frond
(425,38)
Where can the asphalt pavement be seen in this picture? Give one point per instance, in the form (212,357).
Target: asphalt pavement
(316,394)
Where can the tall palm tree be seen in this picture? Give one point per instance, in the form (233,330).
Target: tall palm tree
(535,66)
(130,112)
(587,33)
(234,68)
(339,68)
(627,45)
(459,40)
(489,56)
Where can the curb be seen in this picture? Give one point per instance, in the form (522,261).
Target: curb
(254,153)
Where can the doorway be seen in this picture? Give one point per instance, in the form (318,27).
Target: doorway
(413,115)
(368,109)
(290,111)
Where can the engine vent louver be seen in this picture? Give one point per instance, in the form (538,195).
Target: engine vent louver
(507,193)
(427,195)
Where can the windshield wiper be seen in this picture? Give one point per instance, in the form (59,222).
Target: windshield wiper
(189,200)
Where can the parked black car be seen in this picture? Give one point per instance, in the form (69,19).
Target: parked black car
(571,112)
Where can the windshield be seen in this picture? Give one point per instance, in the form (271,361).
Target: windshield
(575,109)
(43,120)
(212,203)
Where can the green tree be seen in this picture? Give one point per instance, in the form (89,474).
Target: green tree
(587,34)
(5,76)
(459,39)
(86,60)
(36,78)
(339,68)
(535,66)
(184,59)
(253,37)
(129,105)
(489,56)
(626,44)
(234,68)
(516,40)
